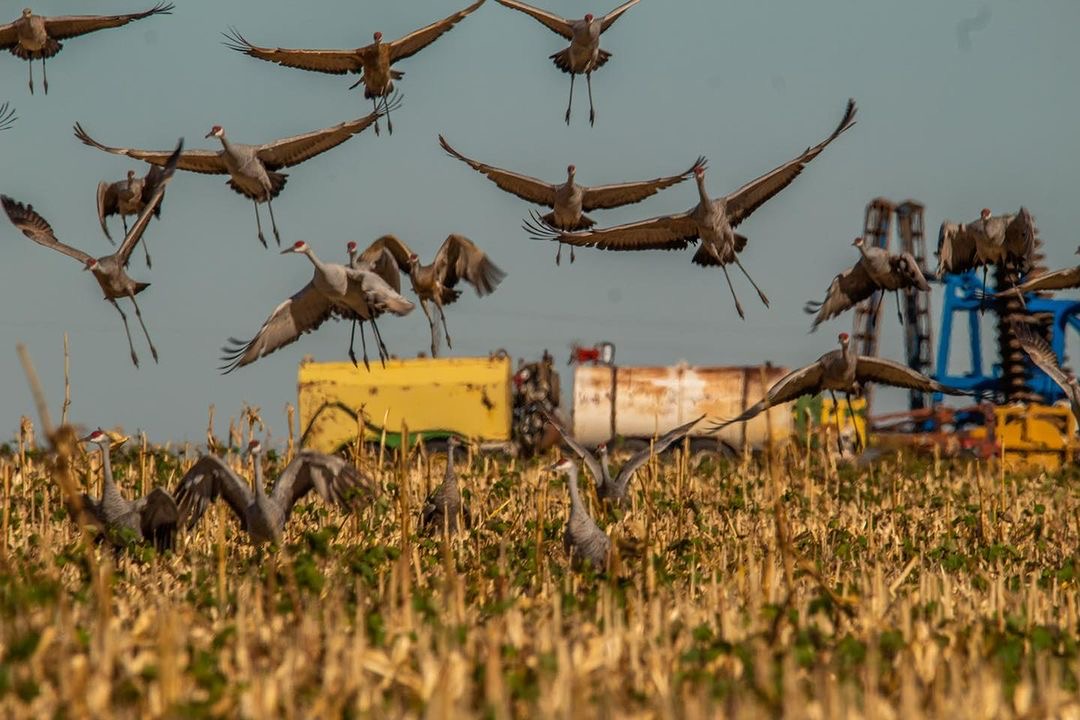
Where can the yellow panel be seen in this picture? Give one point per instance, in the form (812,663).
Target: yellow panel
(828,415)
(1038,435)
(469,396)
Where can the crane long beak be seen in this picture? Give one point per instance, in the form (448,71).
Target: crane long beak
(286,251)
(208,135)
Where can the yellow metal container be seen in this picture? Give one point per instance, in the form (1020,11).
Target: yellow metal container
(433,397)
(857,424)
(1036,435)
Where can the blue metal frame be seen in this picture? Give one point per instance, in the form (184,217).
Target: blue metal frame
(966,293)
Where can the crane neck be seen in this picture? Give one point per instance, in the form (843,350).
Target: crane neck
(703,194)
(850,356)
(108,485)
(319,264)
(260,489)
(576,505)
(225,143)
(450,476)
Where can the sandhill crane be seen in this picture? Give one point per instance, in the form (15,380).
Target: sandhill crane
(844,371)
(152,518)
(334,290)
(584,55)
(569,200)
(386,268)
(128,197)
(443,505)
(877,270)
(252,169)
(583,540)
(1056,280)
(1043,355)
(373,61)
(108,270)
(457,259)
(617,490)
(263,516)
(711,221)
(7,116)
(36,37)
(988,240)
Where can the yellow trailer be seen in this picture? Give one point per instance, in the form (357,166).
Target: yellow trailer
(433,398)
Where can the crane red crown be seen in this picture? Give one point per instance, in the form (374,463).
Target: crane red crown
(378,36)
(351,245)
(843,337)
(588,17)
(298,244)
(985,212)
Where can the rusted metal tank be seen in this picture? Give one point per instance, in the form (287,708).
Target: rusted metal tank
(640,402)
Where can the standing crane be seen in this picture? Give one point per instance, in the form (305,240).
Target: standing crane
(583,540)
(333,290)
(617,490)
(36,37)
(374,62)
(263,515)
(877,270)
(568,200)
(152,518)
(583,56)
(844,371)
(457,259)
(713,222)
(252,169)
(7,116)
(128,197)
(443,506)
(108,270)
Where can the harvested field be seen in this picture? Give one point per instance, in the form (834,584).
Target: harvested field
(787,588)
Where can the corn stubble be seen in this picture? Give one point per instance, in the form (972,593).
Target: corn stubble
(781,588)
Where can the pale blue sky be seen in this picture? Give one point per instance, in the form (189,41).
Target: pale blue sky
(746,83)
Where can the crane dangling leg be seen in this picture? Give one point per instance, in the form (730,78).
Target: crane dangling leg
(374,107)
(363,343)
(30,66)
(592,112)
(127,331)
(384,354)
(431,324)
(760,294)
(738,305)
(273,222)
(836,421)
(899,312)
(855,425)
(138,314)
(982,296)
(44,76)
(442,319)
(258,224)
(386,105)
(569,104)
(146,250)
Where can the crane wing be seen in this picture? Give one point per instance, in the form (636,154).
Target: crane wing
(160,180)
(334,62)
(888,372)
(303,312)
(956,248)
(386,267)
(667,232)
(847,289)
(377,292)
(209,162)
(108,203)
(9,36)
(525,187)
(159,518)
(298,148)
(612,196)
(208,479)
(1056,280)
(1020,238)
(804,381)
(35,227)
(333,477)
(7,116)
(397,249)
(66,26)
(591,461)
(1044,356)
(556,24)
(906,269)
(609,19)
(459,259)
(662,443)
(741,203)
(417,40)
